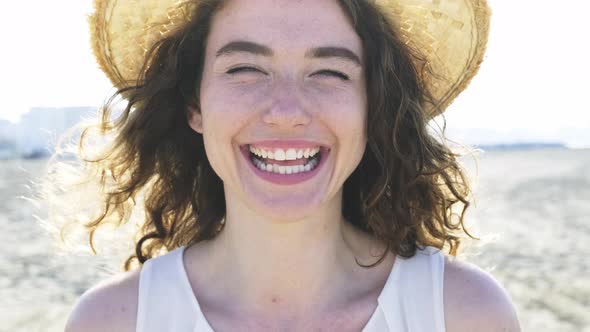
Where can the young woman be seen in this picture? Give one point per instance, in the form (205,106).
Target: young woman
(280,152)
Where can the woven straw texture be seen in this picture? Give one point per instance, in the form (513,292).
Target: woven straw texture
(450,34)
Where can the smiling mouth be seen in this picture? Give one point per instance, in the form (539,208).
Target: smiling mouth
(293,165)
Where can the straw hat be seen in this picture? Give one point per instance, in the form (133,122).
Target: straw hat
(450,34)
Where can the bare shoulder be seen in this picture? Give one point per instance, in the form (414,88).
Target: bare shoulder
(110,305)
(475,301)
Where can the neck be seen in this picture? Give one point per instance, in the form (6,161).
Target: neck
(287,268)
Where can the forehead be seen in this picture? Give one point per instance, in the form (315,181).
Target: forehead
(287,25)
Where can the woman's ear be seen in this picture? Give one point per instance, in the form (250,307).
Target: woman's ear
(194,118)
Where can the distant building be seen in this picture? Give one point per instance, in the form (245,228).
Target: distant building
(8,149)
(37,132)
(8,140)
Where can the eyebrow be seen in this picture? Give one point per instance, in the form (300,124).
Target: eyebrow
(317,52)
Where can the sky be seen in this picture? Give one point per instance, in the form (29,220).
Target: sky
(532,85)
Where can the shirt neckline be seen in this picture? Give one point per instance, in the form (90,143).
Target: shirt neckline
(203,325)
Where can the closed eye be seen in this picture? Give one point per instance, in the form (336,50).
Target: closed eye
(243,69)
(333,73)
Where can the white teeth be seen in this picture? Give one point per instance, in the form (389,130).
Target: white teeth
(314,151)
(274,168)
(279,154)
(284,154)
(291,154)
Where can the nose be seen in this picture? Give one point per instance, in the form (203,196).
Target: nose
(287,108)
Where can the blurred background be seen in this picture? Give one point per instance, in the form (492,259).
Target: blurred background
(526,111)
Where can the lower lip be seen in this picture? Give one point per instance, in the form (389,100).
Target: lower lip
(286,179)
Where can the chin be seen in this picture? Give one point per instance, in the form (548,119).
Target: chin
(289,208)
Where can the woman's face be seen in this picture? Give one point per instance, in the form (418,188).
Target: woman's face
(282,76)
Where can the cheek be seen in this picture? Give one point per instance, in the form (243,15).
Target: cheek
(224,116)
(346,117)
(225,108)
(346,113)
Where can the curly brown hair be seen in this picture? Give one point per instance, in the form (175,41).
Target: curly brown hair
(405,190)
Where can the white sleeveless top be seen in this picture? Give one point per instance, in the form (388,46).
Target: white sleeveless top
(411,301)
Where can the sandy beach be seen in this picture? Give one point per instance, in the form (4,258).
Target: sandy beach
(532,208)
